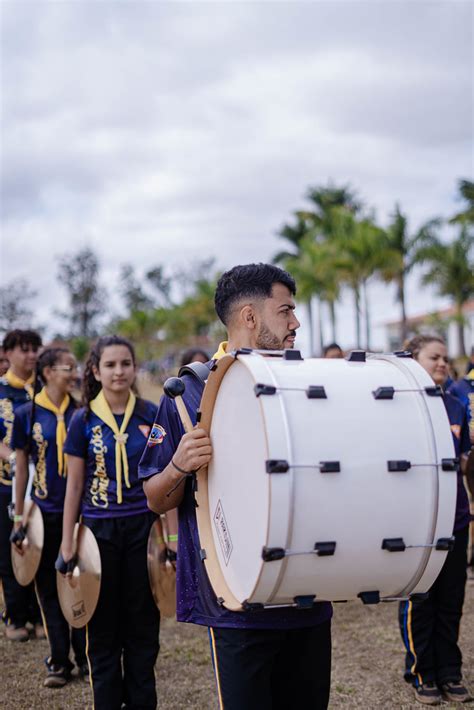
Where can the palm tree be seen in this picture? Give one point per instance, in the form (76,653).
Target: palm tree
(466,188)
(451,271)
(316,276)
(404,251)
(363,251)
(290,260)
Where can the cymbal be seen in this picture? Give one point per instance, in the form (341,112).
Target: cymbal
(25,566)
(161,572)
(78,594)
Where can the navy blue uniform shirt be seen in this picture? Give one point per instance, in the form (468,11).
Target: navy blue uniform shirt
(459,428)
(49,488)
(93,440)
(10,399)
(196,601)
(464,390)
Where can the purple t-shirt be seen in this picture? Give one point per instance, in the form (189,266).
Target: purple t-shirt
(93,440)
(457,416)
(196,601)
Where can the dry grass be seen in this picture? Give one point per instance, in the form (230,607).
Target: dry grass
(367,665)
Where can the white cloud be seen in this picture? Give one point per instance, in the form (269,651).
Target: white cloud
(167,131)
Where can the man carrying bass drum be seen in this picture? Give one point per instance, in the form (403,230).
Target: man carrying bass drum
(263,659)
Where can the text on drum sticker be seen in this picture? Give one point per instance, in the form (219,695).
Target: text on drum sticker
(223,534)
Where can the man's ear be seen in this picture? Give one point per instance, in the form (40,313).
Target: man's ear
(247,317)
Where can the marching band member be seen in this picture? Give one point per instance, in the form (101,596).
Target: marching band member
(16,387)
(278,658)
(104,444)
(430,627)
(40,430)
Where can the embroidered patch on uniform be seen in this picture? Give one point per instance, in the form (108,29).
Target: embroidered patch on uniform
(157,435)
(145,430)
(456,429)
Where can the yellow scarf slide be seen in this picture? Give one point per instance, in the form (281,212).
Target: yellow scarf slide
(44,401)
(101,409)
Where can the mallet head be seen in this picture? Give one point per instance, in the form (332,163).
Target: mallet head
(174,387)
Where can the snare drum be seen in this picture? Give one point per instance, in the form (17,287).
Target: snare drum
(330,480)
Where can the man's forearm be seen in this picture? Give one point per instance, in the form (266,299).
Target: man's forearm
(159,489)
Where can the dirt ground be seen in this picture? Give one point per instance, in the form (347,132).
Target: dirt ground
(367,665)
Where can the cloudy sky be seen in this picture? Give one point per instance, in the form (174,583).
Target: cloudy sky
(164,132)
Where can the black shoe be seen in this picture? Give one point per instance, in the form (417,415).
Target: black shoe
(428,694)
(57,677)
(456,692)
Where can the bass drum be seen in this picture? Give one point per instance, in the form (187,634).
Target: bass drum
(330,479)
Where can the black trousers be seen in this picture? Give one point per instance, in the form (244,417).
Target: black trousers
(430,628)
(124,629)
(60,636)
(272,669)
(20,602)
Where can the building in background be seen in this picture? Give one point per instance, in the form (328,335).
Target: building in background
(442,322)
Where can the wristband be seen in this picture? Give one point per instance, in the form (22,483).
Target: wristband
(181,470)
(17,518)
(172,538)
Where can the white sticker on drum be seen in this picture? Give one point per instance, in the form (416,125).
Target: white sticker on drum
(223,533)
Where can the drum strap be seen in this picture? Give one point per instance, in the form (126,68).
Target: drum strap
(199,370)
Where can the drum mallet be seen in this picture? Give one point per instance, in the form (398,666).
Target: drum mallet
(174,388)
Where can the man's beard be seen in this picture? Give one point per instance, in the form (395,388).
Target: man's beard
(266,340)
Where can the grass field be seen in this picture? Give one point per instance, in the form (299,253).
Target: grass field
(367,665)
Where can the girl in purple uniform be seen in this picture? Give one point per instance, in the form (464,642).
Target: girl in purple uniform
(430,627)
(104,445)
(39,429)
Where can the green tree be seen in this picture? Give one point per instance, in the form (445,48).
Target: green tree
(15,310)
(308,237)
(466,190)
(132,292)
(363,252)
(403,249)
(79,274)
(450,268)
(161,284)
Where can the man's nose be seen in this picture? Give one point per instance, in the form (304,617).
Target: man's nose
(295,324)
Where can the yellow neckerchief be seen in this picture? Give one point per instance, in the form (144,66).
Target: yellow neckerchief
(101,409)
(470,374)
(44,401)
(15,381)
(221,350)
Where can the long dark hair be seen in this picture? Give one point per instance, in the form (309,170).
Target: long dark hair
(90,386)
(48,358)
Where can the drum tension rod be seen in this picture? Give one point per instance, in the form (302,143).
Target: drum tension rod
(312,392)
(403,465)
(282,466)
(397,544)
(389,392)
(321,549)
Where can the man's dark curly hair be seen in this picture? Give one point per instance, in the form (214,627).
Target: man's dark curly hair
(23,338)
(248,281)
